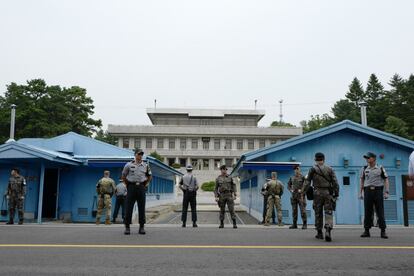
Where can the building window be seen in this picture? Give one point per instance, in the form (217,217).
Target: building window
(137,143)
(148,143)
(250,144)
(206,164)
(206,144)
(273,142)
(262,143)
(183,162)
(228,144)
(229,162)
(183,143)
(194,163)
(160,143)
(239,144)
(125,143)
(171,161)
(194,143)
(217,164)
(216,144)
(346,180)
(171,143)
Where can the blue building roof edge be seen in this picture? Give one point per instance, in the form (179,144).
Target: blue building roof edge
(160,164)
(325,131)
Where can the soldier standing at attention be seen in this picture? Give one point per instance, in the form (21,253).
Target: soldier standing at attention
(16,191)
(225,193)
(189,186)
(326,191)
(295,186)
(374,187)
(274,190)
(105,189)
(137,176)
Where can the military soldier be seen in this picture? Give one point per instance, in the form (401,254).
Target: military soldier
(120,193)
(16,191)
(374,187)
(225,193)
(137,176)
(295,186)
(326,191)
(189,186)
(105,189)
(265,197)
(274,189)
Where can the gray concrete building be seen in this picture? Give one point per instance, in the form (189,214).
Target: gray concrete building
(205,138)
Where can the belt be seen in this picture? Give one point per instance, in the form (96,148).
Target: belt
(136,183)
(226,192)
(373,188)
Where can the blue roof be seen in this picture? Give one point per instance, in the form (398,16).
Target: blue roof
(346,124)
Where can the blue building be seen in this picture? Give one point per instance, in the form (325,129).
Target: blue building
(343,144)
(62,173)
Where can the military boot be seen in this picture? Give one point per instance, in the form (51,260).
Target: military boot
(195,224)
(328,236)
(366,234)
(108,222)
(141,230)
(294,225)
(221,224)
(183,225)
(280,223)
(127,230)
(10,221)
(98,221)
(383,234)
(20,221)
(305,225)
(319,235)
(234,224)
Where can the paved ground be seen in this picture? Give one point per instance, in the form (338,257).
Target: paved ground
(74,249)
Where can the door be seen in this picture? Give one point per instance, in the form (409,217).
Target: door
(50,193)
(348,205)
(408,200)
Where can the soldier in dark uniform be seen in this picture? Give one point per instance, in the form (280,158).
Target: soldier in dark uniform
(326,191)
(225,193)
(374,187)
(295,186)
(16,191)
(137,176)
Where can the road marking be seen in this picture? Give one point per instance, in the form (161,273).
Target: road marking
(165,246)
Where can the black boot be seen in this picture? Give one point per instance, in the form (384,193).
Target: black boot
(183,224)
(195,224)
(221,224)
(366,234)
(294,225)
(383,234)
(141,230)
(234,224)
(305,225)
(20,221)
(328,236)
(319,235)
(10,221)
(127,230)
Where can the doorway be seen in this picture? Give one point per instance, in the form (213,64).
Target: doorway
(408,200)
(50,193)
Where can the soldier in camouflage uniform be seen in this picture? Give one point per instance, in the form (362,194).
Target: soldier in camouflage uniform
(274,189)
(16,191)
(105,189)
(326,191)
(225,193)
(295,186)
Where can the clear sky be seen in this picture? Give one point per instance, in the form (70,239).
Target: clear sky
(206,54)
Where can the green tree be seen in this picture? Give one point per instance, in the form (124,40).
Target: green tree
(280,124)
(316,122)
(397,126)
(356,92)
(104,136)
(157,156)
(46,111)
(345,110)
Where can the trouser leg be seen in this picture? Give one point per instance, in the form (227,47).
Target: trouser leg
(185,207)
(108,207)
(193,204)
(270,208)
(328,209)
(379,208)
(279,209)
(141,204)
(130,201)
(294,210)
(368,208)
(318,208)
(302,205)
(222,202)
(100,207)
(264,208)
(230,205)
(116,209)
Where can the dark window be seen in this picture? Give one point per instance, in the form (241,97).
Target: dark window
(346,180)
(125,143)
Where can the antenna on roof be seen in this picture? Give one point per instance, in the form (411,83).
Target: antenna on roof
(255,104)
(281,113)
(155,103)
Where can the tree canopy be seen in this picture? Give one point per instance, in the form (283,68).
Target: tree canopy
(46,111)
